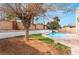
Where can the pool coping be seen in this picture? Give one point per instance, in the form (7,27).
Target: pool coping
(56,40)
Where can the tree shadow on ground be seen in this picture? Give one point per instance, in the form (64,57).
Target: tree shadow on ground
(16,47)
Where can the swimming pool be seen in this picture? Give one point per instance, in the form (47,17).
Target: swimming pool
(57,35)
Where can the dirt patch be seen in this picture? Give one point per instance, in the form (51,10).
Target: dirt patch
(17,46)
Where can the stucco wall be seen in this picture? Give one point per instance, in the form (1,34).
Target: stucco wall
(5,25)
(20,26)
(32,27)
(39,27)
(67,29)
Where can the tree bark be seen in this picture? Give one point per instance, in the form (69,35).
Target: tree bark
(27,34)
(26,27)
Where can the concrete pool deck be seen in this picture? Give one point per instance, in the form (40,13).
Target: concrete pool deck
(71,42)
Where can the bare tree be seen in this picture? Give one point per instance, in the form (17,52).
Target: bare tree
(25,12)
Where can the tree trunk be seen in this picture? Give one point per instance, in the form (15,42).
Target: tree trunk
(27,33)
(26,27)
(32,21)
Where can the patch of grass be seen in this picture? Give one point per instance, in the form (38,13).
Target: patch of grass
(49,41)
(63,49)
(60,46)
(42,38)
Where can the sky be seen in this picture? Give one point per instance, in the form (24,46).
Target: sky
(65,18)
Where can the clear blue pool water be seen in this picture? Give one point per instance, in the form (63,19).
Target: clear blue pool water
(57,35)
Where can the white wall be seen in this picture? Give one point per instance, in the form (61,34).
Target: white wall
(19,33)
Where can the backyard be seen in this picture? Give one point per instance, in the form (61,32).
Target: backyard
(38,29)
(36,45)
